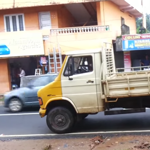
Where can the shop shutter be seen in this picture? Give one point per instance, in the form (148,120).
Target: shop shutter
(45,20)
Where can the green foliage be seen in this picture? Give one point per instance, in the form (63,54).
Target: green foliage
(139,23)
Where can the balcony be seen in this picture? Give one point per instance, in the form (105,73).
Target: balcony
(78,38)
(85,29)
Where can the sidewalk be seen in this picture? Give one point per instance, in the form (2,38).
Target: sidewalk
(1,102)
(97,143)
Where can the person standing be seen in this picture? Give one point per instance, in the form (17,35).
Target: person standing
(146,61)
(22,74)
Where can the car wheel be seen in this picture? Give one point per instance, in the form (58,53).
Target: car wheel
(15,105)
(60,120)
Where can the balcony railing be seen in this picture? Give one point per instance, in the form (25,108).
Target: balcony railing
(85,29)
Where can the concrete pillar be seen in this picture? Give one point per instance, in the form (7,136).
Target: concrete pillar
(5,85)
(144,14)
(100,13)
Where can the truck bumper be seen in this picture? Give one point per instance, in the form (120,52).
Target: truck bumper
(42,112)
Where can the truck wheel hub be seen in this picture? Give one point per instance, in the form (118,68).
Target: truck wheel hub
(60,120)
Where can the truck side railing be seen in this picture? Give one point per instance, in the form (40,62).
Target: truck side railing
(129,82)
(121,72)
(108,60)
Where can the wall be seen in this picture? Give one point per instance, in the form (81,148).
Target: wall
(60,17)
(4,76)
(114,20)
(65,19)
(31,16)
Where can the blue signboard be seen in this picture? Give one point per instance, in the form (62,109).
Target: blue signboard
(130,45)
(4,50)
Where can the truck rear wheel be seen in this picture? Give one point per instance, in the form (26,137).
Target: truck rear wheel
(60,120)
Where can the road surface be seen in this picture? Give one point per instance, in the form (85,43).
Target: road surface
(29,122)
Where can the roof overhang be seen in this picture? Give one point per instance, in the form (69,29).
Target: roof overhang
(130,7)
(7,4)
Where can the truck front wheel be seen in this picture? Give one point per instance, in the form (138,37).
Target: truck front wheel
(60,120)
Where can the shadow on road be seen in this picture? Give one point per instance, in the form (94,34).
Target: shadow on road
(100,122)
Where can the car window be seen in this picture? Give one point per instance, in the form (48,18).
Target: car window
(52,78)
(42,81)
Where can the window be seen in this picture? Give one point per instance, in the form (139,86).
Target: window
(79,65)
(42,81)
(14,22)
(45,20)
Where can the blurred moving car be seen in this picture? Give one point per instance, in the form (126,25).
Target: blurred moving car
(27,96)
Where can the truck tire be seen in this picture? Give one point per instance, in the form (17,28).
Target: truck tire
(60,120)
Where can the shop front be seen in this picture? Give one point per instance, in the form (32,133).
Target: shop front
(20,49)
(136,50)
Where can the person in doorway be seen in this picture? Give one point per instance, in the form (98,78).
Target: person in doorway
(22,74)
(146,61)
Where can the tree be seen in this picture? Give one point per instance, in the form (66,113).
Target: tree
(139,23)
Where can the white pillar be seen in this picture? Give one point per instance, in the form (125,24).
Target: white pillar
(144,14)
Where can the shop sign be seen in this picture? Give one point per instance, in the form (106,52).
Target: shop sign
(25,43)
(43,61)
(127,61)
(136,42)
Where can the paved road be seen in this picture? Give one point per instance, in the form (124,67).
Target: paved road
(30,123)
(4,110)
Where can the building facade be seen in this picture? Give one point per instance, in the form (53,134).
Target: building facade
(32,29)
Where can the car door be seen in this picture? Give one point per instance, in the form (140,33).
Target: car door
(80,86)
(34,86)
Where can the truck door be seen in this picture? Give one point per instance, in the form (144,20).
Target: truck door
(79,83)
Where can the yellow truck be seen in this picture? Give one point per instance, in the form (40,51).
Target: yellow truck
(88,83)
